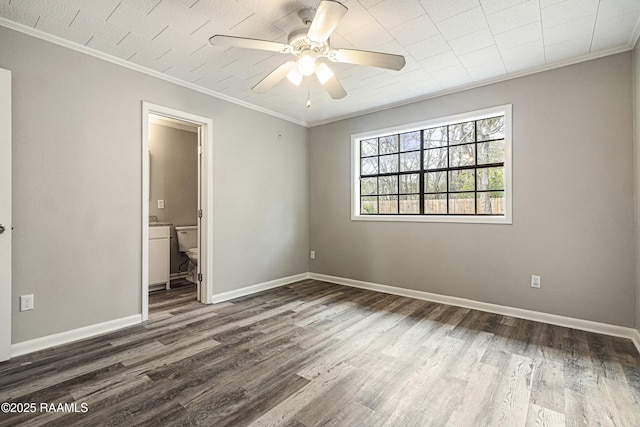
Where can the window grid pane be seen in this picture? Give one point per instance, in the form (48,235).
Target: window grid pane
(457,169)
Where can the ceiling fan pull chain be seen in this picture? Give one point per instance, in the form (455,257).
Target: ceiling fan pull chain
(308,93)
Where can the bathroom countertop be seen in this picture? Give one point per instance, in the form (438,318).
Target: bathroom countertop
(160,224)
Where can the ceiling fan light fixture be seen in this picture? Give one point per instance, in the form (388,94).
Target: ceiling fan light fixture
(294,76)
(306,65)
(308,43)
(323,72)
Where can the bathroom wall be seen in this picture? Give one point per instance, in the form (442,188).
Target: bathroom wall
(174,179)
(77,187)
(573,201)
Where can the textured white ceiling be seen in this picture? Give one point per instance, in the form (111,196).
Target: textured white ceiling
(448,44)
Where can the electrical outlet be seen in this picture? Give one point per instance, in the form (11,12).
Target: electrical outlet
(535,281)
(160,204)
(26,302)
(313,255)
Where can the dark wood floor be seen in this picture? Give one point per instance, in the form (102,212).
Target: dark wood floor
(314,353)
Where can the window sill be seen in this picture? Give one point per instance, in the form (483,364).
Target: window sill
(435,218)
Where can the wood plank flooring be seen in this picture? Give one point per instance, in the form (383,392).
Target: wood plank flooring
(314,353)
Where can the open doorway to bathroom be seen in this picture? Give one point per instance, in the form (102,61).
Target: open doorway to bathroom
(176,204)
(173,204)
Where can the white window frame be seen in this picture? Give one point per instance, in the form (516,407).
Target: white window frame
(457,118)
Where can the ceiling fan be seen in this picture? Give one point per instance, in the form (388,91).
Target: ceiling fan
(309,43)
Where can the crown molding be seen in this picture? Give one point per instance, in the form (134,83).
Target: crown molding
(503,78)
(635,35)
(118,61)
(509,76)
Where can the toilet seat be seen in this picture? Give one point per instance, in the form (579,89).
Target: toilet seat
(193,254)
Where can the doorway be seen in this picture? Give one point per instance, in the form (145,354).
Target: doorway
(204,129)
(5,214)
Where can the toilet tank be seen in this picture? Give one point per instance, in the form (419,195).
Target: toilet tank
(187,237)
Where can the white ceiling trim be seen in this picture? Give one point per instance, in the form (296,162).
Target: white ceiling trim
(118,61)
(499,79)
(635,35)
(115,60)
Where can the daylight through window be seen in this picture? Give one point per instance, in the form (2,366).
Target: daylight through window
(455,167)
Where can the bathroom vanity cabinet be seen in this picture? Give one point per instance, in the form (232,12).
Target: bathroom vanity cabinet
(159,255)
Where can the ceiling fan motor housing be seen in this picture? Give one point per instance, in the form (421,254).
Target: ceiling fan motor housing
(298,38)
(299,42)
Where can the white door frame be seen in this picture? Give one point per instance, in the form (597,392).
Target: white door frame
(5,214)
(205,264)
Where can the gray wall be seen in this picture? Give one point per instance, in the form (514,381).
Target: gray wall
(77,196)
(174,179)
(573,208)
(77,187)
(636,126)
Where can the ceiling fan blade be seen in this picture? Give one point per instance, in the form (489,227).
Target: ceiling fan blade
(274,77)
(231,41)
(365,57)
(335,89)
(328,80)
(326,20)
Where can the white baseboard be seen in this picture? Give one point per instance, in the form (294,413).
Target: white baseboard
(67,337)
(636,338)
(553,319)
(70,336)
(113,325)
(248,290)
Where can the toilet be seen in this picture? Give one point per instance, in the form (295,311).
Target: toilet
(188,245)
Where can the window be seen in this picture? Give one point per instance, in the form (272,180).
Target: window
(455,169)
